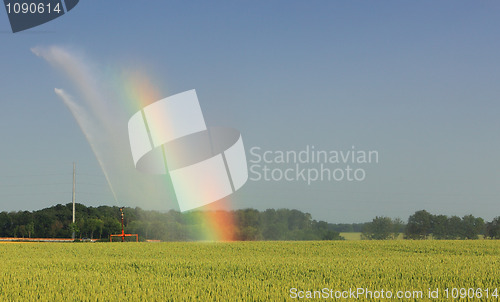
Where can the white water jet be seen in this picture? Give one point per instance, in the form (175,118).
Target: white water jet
(87,127)
(102,116)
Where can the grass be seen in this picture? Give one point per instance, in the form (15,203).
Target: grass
(351,235)
(357,235)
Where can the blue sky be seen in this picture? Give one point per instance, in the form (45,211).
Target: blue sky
(417,81)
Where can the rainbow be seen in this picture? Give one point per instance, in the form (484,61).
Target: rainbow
(216,220)
(108,99)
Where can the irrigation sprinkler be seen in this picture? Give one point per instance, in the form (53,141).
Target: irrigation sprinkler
(123,235)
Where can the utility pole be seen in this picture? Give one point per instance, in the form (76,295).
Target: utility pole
(74,185)
(123,231)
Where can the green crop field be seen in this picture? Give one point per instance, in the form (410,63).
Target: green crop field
(351,235)
(357,235)
(248,271)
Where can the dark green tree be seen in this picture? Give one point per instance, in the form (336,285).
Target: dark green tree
(30,228)
(419,225)
(440,227)
(472,227)
(493,228)
(380,228)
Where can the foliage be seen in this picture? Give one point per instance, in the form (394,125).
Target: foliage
(382,228)
(419,225)
(249,225)
(493,229)
(423,224)
(100,222)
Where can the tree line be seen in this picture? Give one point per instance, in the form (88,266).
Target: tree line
(100,222)
(248,224)
(424,225)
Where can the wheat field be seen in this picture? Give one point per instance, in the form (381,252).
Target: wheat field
(250,271)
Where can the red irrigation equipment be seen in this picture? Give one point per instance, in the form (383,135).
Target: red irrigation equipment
(123,235)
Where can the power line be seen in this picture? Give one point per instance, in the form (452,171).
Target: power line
(33,175)
(33,185)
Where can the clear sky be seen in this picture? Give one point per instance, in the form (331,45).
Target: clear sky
(416,81)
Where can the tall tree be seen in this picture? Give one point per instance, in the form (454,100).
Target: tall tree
(440,227)
(380,228)
(493,228)
(419,225)
(472,227)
